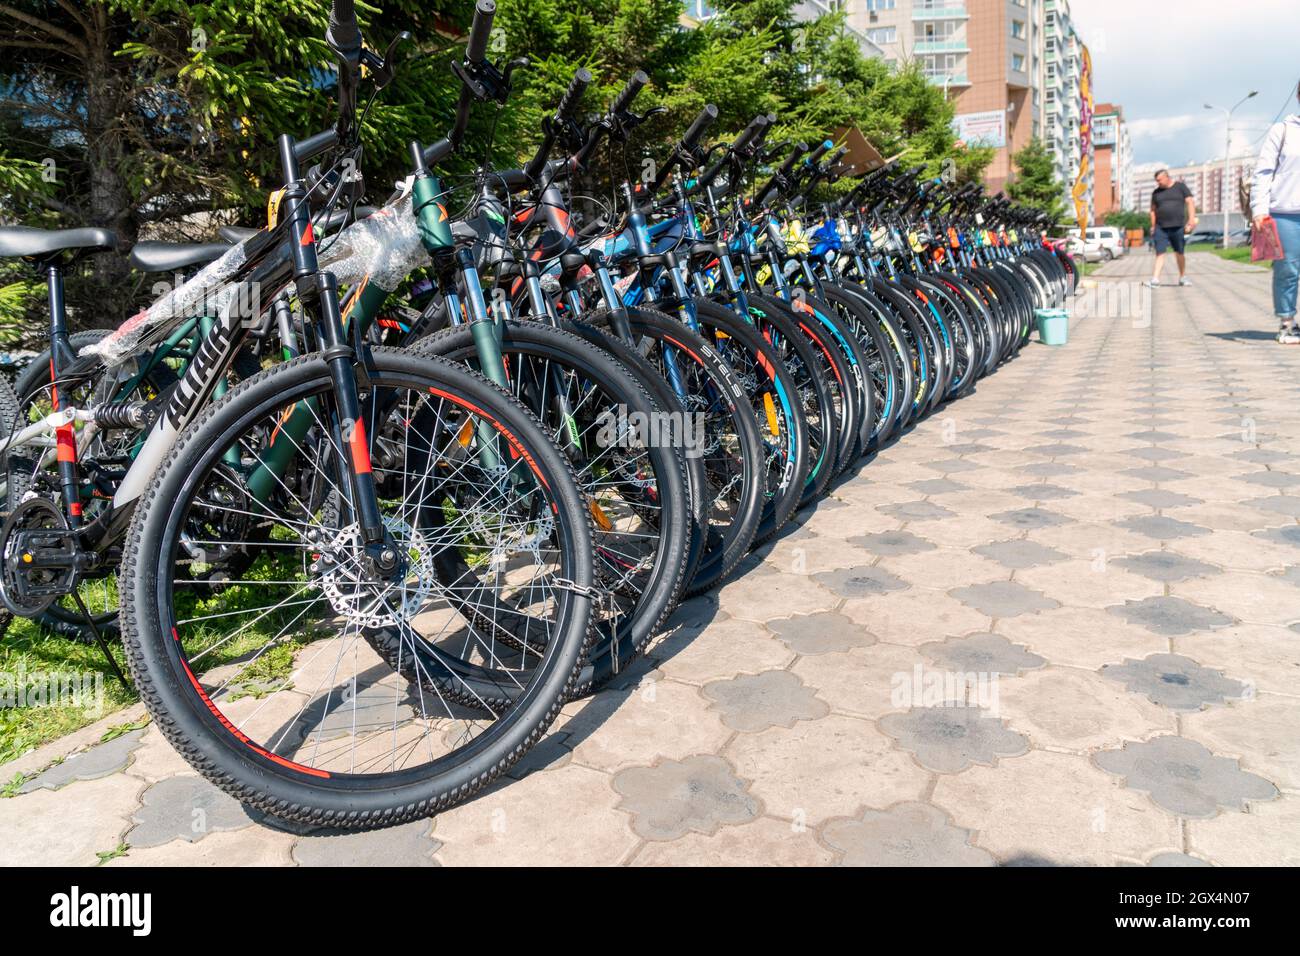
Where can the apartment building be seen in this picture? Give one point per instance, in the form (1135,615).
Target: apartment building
(1113,161)
(1063,99)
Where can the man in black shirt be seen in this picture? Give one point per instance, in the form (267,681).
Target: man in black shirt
(1173,215)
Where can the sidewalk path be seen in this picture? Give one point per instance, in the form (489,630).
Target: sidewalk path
(1096,556)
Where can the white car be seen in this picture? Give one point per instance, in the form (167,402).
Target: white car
(1100,244)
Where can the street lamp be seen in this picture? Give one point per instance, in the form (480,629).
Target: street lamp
(1227,148)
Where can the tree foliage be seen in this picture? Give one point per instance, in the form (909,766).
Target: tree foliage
(1035,183)
(158,118)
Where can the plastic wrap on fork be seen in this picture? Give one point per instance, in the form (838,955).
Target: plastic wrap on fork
(209,291)
(385,246)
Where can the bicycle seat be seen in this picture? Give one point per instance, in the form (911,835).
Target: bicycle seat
(174,256)
(28,242)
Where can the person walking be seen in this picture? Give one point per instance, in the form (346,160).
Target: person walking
(1275,193)
(1173,215)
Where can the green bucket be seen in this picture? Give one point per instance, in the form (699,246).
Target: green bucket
(1053,326)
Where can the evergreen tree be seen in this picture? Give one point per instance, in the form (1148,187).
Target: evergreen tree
(1035,183)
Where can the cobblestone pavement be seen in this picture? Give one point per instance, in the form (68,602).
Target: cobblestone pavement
(1057,623)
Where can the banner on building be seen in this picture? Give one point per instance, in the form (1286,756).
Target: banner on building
(1082,191)
(981,129)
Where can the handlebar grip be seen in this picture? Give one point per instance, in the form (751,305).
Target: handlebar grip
(343,34)
(788,166)
(822,149)
(479,32)
(751,132)
(573,95)
(629,92)
(836,156)
(708,116)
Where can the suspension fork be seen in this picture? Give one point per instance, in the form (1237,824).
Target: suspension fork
(320,289)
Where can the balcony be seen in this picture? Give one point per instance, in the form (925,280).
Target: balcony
(949,12)
(940,46)
(952,80)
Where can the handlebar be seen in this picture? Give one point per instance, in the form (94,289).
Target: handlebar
(475,57)
(343,33)
(562,118)
(629,92)
(683,153)
(480,31)
(782,175)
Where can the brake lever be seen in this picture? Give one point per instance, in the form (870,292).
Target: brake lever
(384,68)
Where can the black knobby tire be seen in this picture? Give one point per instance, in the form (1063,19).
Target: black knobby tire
(202,734)
(729,535)
(763,369)
(619,638)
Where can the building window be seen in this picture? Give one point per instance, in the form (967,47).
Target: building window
(1018,62)
(1018,29)
(883,35)
(875,5)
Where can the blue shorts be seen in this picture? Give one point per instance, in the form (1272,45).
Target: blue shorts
(1166,236)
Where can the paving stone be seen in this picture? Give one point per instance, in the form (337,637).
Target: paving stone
(892,542)
(186,808)
(1175,859)
(1057,450)
(760,598)
(67,827)
(1068,709)
(949,739)
(1043,492)
(697,795)
(1157,473)
(1162,527)
(937,486)
(250,847)
(1263,837)
(658,719)
(1029,519)
(1262,456)
(1290,535)
(1288,505)
(917,511)
(1054,809)
(1049,469)
(1272,479)
(1170,616)
(764,842)
(982,653)
(825,768)
(1183,777)
(953,465)
(1260,732)
(1020,553)
(727,648)
(1245,595)
(1153,435)
(91,764)
(1176,682)
(909,834)
(1003,599)
(772,699)
(409,844)
(1155,454)
(828,632)
(1166,566)
(517,823)
(1159,498)
(860,581)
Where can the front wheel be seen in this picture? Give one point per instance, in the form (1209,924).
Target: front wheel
(270,686)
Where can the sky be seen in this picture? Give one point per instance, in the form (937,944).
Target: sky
(1162,62)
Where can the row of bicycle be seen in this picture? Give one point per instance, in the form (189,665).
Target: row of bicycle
(376,491)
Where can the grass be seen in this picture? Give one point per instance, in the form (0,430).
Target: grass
(30,657)
(1232,253)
